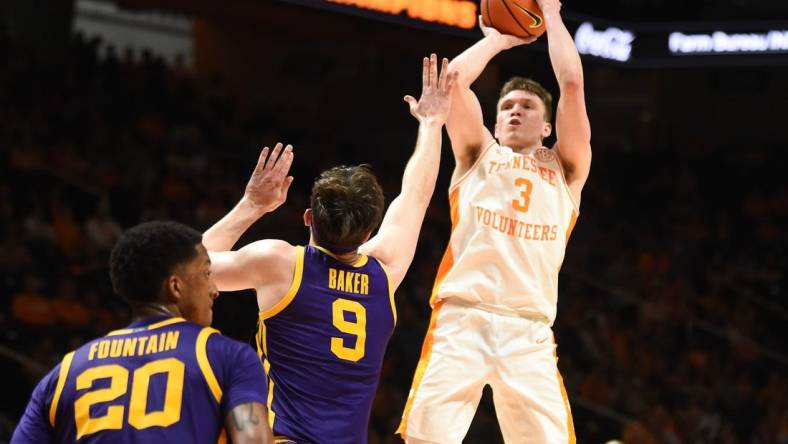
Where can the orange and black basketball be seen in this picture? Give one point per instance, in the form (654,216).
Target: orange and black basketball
(522,18)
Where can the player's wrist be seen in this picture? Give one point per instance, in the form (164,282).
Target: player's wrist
(431,122)
(551,16)
(248,208)
(499,42)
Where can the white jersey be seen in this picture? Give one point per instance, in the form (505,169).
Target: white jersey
(511,215)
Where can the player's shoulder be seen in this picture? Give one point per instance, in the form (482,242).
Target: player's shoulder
(269,247)
(227,357)
(44,391)
(46,386)
(268,254)
(219,345)
(192,326)
(548,154)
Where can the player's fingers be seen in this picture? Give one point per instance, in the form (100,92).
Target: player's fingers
(261,160)
(285,187)
(286,184)
(412,104)
(269,164)
(425,73)
(433,70)
(444,74)
(284,162)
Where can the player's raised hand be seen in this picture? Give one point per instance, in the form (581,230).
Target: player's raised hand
(549,7)
(436,91)
(267,188)
(506,41)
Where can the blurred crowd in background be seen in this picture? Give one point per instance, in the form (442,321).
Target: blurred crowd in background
(672,295)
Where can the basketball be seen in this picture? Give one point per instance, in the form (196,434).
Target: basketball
(522,18)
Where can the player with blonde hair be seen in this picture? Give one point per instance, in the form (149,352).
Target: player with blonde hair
(513,204)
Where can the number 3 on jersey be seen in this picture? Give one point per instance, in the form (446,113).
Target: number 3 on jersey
(357,329)
(139,417)
(524,201)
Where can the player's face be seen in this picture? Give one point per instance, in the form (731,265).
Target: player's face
(520,122)
(198,289)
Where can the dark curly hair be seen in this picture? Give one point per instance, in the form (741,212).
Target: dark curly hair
(347,204)
(146,255)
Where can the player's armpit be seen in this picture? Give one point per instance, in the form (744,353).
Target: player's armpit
(466,129)
(247,424)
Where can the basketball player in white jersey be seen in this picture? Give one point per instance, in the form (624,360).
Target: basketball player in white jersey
(513,205)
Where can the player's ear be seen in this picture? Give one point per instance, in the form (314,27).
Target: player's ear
(547,129)
(173,289)
(308,217)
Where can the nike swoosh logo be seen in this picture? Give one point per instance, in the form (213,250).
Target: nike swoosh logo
(535,17)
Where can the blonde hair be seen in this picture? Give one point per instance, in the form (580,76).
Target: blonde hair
(533,87)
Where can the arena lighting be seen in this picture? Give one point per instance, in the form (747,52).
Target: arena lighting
(626,44)
(720,42)
(612,43)
(459,13)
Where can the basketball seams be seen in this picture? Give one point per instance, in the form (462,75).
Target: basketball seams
(514,16)
(489,16)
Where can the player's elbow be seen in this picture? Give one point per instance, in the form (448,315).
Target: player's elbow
(571,82)
(211,244)
(463,80)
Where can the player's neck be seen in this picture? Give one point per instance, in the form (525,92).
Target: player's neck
(348,258)
(153,309)
(522,147)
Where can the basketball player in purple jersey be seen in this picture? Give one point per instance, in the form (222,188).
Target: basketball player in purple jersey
(165,378)
(327,309)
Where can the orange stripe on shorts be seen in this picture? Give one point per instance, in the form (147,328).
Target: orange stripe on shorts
(570,425)
(426,352)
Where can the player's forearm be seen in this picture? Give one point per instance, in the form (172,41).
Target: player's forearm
(563,53)
(421,173)
(471,63)
(225,233)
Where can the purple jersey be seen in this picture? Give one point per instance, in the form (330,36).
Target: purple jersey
(161,379)
(323,346)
